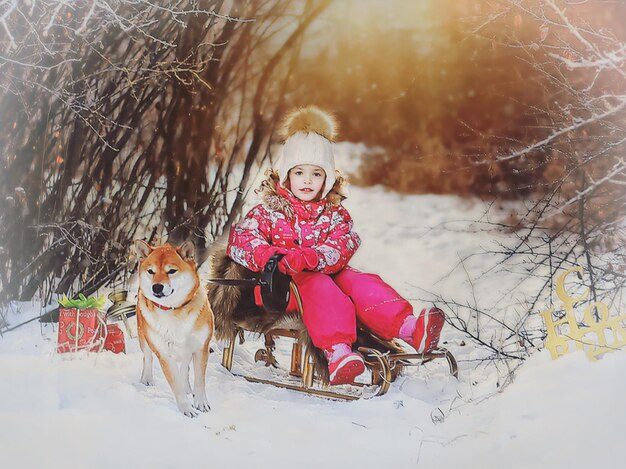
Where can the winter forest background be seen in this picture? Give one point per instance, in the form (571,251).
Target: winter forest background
(129,118)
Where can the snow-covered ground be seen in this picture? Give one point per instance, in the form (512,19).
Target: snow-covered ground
(91,410)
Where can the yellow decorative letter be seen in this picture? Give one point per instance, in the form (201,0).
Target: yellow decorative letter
(591,334)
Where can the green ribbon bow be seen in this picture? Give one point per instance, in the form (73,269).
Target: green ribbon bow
(83,302)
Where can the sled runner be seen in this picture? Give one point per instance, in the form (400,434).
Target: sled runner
(244,301)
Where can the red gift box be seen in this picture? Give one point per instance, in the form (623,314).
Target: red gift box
(115,339)
(80,329)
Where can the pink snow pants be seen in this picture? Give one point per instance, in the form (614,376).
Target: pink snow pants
(332,305)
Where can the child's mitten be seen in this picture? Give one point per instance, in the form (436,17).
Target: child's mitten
(297,260)
(263,253)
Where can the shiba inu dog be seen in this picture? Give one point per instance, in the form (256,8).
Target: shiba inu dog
(174,320)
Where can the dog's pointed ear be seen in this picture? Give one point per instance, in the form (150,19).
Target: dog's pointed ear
(188,251)
(143,249)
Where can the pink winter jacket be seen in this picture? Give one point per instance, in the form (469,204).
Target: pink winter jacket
(284,222)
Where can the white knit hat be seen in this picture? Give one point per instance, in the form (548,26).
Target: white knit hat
(309,135)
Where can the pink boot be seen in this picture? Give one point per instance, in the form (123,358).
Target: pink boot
(344,365)
(423,332)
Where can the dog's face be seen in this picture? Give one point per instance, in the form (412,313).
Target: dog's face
(167,274)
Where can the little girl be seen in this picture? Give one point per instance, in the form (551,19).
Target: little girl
(302,217)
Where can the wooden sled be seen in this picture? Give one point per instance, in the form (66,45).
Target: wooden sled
(307,373)
(384,367)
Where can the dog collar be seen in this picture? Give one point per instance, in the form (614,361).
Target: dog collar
(164,308)
(167,308)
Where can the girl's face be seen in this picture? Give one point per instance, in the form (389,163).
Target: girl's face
(306,181)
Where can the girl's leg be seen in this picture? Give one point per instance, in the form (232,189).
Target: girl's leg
(378,306)
(330,319)
(328,314)
(384,312)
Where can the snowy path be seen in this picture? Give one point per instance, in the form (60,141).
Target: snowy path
(92,412)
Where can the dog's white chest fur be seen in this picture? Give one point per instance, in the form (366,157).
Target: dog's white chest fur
(174,335)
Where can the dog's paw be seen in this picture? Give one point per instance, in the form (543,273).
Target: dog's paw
(188,410)
(202,405)
(147,381)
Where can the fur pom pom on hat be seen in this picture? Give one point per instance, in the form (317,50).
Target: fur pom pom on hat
(309,134)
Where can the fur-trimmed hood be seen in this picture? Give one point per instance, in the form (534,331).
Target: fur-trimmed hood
(268,193)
